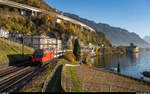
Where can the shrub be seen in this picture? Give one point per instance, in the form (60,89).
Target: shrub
(71,54)
(70,57)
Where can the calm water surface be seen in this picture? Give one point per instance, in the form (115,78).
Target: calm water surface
(130,64)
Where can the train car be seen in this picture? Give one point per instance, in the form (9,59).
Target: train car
(42,56)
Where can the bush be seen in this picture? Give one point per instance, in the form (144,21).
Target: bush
(71,54)
(70,57)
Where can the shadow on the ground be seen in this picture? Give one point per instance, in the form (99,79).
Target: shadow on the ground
(17,59)
(55,83)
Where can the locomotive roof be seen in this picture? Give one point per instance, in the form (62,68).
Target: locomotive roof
(43,50)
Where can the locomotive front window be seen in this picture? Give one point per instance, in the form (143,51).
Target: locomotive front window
(44,55)
(38,55)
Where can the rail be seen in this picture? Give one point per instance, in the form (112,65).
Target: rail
(13,69)
(7,83)
(19,79)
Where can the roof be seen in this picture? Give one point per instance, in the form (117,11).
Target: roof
(43,50)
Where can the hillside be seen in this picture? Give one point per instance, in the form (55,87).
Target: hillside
(147,39)
(36,3)
(11,51)
(117,36)
(44,24)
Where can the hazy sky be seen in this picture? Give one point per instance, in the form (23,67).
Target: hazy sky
(133,15)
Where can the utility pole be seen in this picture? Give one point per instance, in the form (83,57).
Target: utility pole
(103,50)
(62,44)
(56,45)
(23,45)
(21,37)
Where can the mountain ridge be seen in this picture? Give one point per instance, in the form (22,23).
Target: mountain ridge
(147,38)
(116,35)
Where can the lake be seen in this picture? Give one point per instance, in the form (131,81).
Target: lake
(130,64)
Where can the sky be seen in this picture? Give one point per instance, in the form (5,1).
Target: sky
(132,15)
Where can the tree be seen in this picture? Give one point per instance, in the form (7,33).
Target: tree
(76,50)
(96,51)
(118,70)
(70,46)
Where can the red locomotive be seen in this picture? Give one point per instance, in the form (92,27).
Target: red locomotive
(42,56)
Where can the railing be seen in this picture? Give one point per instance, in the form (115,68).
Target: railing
(18,5)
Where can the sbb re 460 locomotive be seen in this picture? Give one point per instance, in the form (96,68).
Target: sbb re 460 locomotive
(42,56)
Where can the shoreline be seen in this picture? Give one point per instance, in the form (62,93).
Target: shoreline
(127,76)
(99,80)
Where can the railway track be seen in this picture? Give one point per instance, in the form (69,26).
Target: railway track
(13,69)
(18,80)
(7,83)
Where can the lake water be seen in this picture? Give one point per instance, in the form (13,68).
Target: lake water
(130,64)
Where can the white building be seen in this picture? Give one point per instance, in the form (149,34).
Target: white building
(43,42)
(58,21)
(89,48)
(4,33)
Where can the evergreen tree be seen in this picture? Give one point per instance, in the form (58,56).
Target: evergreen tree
(76,50)
(118,68)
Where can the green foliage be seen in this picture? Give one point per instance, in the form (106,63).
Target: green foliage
(87,59)
(70,57)
(43,24)
(36,3)
(76,50)
(76,84)
(118,68)
(10,51)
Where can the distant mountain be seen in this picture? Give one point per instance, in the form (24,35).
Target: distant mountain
(117,36)
(147,39)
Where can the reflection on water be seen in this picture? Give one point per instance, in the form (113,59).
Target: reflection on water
(130,64)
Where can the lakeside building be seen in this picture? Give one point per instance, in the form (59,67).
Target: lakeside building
(90,48)
(132,48)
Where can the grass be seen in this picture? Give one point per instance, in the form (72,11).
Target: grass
(76,84)
(12,51)
(65,61)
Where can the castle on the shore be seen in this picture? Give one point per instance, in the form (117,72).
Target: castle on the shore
(132,48)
